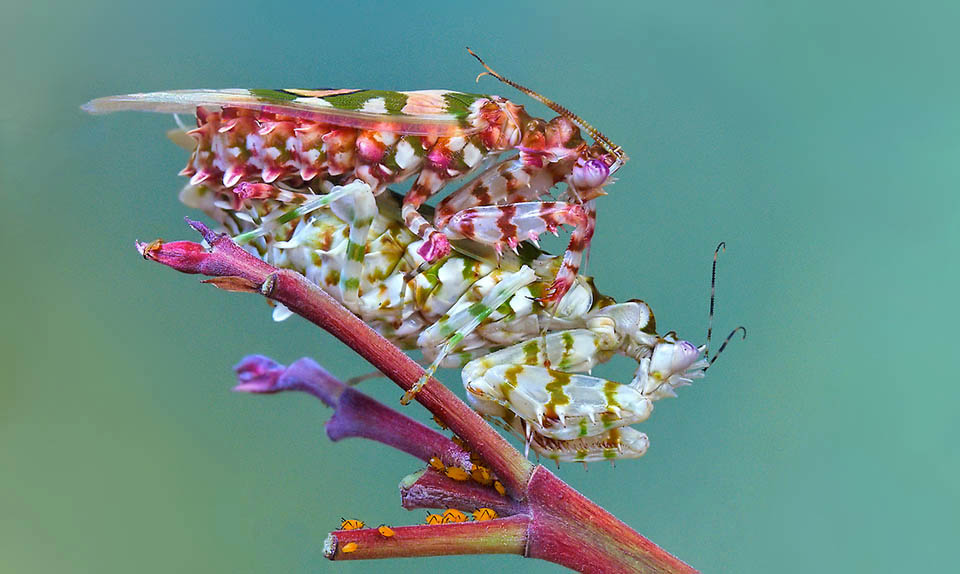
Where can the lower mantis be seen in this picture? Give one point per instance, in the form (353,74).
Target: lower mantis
(524,366)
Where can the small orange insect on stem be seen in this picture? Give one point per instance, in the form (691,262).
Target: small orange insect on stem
(451,515)
(484,514)
(457,473)
(434,519)
(351,524)
(481,475)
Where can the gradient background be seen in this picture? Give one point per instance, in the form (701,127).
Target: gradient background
(819,140)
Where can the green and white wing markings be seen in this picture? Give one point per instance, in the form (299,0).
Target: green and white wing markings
(426,112)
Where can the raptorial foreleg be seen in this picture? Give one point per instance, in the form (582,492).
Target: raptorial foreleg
(573,256)
(500,208)
(510,181)
(435,245)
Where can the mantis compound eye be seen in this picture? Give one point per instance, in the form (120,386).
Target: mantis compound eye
(590,174)
(673,358)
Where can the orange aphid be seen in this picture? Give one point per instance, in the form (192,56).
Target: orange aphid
(482,475)
(453,515)
(499,488)
(349,547)
(385,531)
(456,473)
(351,524)
(439,422)
(434,519)
(436,463)
(484,514)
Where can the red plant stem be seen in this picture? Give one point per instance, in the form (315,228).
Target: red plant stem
(226,259)
(558,524)
(569,529)
(430,489)
(500,536)
(355,414)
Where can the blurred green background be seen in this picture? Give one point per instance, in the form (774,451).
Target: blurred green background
(819,140)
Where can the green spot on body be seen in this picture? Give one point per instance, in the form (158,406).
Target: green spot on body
(477,141)
(416,142)
(455,339)
(355,251)
(610,391)
(609,419)
(531,352)
(445,327)
(557,396)
(393,102)
(390,159)
(289,216)
(365,222)
(273,95)
(469,270)
(610,453)
(555,388)
(479,310)
(333,277)
(567,339)
(581,455)
(583,427)
(536,291)
(458,104)
(352,283)
(458,163)
(510,377)
(432,277)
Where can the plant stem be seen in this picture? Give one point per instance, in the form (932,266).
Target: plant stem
(355,414)
(569,529)
(500,536)
(430,489)
(553,521)
(244,272)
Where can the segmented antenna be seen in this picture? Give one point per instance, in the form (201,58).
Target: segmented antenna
(724,345)
(713,297)
(601,139)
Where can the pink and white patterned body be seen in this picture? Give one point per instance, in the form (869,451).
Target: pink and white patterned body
(296,139)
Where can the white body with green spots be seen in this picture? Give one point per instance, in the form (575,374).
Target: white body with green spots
(474,310)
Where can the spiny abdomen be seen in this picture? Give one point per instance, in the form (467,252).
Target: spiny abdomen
(234,145)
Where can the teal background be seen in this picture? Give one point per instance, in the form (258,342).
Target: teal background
(818,139)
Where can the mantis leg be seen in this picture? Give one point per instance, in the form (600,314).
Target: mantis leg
(436,245)
(557,402)
(500,208)
(465,316)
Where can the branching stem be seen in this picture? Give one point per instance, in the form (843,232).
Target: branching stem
(550,520)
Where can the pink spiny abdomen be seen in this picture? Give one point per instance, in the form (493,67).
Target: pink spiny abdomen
(236,145)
